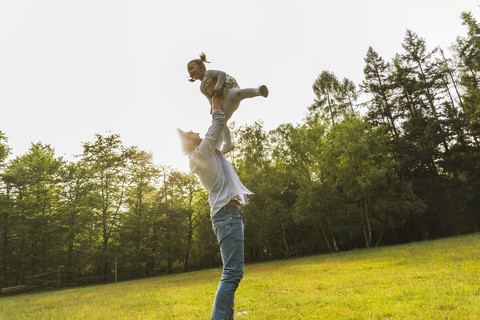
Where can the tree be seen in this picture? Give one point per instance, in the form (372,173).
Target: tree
(326,87)
(377,84)
(6,213)
(334,99)
(468,51)
(184,190)
(204,252)
(76,216)
(367,177)
(107,160)
(347,97)
(33,193)
(4,149)
(268,215)
(299,151)
(138,221)
(468,63)
(428,76)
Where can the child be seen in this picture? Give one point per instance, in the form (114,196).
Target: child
(219,84)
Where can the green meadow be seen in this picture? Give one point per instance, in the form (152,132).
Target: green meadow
(437,279)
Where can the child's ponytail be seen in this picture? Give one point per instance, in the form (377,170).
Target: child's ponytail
(203,57)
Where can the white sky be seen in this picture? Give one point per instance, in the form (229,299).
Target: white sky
(70,69)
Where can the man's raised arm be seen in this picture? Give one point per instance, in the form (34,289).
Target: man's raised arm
(209,143)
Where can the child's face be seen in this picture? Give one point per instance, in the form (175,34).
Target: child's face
(195,71)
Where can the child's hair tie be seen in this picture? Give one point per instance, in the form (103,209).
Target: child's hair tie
(203,57)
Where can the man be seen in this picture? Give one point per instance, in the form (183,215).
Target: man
(226,195)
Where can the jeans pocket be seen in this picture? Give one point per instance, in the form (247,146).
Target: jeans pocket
(222,228)
(237,227)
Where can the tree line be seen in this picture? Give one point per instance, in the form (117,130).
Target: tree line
(403,165)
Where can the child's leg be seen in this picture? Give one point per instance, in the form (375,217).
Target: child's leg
(235,96)
(220,142)
(232,101)
(227,140)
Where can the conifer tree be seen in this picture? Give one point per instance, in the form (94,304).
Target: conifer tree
(377,83)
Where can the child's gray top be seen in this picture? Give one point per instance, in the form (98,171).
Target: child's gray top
(219,81)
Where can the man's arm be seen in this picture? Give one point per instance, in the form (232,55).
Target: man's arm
(217,103)
(209,143)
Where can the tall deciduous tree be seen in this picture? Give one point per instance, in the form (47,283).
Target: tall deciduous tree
(183,191)
(76,217)
(137,224)
(33,186)
(326,88)
(4,149)
(107,159)
(6,215)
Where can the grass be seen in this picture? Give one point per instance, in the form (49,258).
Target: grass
(428,280)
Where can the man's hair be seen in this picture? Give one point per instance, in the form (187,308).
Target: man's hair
(181,133)
(188,144)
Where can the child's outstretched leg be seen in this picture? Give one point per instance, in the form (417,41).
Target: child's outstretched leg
(234,97)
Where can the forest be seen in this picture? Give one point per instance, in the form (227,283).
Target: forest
(402,165)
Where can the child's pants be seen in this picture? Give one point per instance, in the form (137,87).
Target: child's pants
(232,101)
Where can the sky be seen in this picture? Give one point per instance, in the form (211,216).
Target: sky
(73,69)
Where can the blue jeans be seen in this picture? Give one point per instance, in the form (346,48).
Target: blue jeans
(228,227)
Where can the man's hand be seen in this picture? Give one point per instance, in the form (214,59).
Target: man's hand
(217,103)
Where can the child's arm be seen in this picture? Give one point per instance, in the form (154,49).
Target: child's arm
(220,76)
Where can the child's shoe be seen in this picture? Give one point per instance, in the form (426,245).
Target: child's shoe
(263,90)
(227,148)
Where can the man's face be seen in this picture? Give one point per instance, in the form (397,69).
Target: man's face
(191,140)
